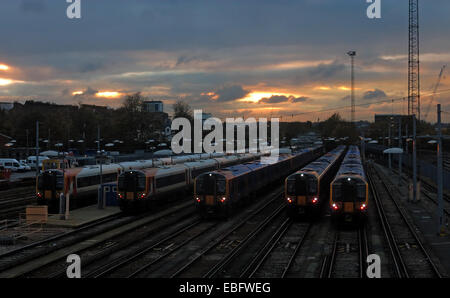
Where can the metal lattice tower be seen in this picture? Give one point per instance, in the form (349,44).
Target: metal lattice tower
(352,55)
(413,60)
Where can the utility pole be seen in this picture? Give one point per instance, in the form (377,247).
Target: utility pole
(413,60)
(100,193)
(352,55)
(414,160)
(37,149)
(439,173)
(400,146)
(389,145)
(28,152)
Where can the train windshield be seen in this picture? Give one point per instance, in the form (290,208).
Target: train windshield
(346,191)
(210,184)
(51,180)
(301,185)
(131,182)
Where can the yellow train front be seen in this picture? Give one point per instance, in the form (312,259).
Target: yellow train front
(307,189)
(212,194)
(349,192)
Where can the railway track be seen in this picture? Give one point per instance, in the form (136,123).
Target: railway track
(410,258)
(12,202)
(276,258)
(36,256)
(348,255)
(206,248)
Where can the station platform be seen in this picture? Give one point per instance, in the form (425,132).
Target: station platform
(82,216)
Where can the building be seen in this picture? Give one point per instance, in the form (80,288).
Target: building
(154,106)
(6,106)
(392,118)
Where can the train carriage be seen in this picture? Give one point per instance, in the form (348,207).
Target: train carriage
(349,191)
(308,188)
(217,193)
(164,180)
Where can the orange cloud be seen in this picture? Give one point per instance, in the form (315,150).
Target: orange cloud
(324,88)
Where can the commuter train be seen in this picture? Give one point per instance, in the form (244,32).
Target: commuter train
(308,188)
(218,192)
(349,192)
(82,182)
(139,189)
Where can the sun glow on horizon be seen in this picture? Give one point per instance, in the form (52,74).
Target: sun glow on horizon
(255,97)
(108,94)
(5,82)
(4,67)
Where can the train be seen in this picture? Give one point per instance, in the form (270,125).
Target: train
(80,183)
(218,192)
(349,190)
(138,190)
(307,189)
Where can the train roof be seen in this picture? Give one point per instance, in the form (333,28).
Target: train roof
(322,163)
(352,165)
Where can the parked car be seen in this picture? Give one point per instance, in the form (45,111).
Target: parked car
(31,161)
(12,164)
(23,162)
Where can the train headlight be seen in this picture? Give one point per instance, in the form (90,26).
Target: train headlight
(143,195)
(223,199)
(39,195)
(315,200)
(363,207)
(289,200)
(197,199)
(335,206)
(120,196)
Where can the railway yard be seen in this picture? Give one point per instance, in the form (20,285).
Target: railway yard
(259,240)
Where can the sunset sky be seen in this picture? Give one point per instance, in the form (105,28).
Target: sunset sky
(228,57)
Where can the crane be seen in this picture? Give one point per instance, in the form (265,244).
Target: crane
(434,91)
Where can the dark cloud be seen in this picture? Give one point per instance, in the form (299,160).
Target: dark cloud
(185,59)
(230,93)
(274,99)
(91,66)
(33,5)
(299,99)
(374,94)
(88,92)
(282,98)
(327,71)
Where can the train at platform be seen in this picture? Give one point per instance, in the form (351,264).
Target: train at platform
(307,189)
(80,183)
(139,190)
(218,193)
(349,190)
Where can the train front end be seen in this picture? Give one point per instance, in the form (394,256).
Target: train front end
(49,187)
(349,197)
(211,196)
(302,193)
(133,190)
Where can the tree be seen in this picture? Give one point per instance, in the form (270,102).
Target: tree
(182,109)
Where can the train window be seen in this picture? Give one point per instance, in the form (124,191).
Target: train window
(221,186)
(131,182)
(170,180)
(50,181)
(361,192)
(337,193)
(205,185)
